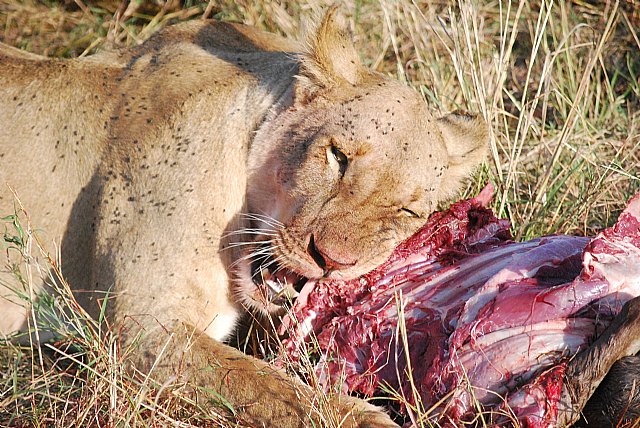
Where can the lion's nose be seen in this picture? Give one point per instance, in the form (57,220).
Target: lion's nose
(322,259)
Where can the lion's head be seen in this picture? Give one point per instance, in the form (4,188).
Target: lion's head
(350,169)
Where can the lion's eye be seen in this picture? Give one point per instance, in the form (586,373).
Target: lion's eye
(340,158)
(410,213)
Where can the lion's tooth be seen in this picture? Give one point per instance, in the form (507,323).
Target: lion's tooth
(274,286)
(265,274)
(281,290)
(290,292)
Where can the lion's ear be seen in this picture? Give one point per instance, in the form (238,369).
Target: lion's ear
(330,59)
(466,137)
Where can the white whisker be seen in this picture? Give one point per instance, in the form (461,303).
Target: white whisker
(280,266)
(260,253)
(242,244)
(249,231)
(257,230)
(264,219)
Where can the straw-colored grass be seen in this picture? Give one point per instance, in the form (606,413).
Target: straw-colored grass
(559,82)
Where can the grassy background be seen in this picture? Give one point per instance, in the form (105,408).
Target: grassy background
(559,82)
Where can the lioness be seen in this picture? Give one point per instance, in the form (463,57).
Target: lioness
(210,170)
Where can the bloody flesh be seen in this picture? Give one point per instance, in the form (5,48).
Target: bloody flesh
(486,320)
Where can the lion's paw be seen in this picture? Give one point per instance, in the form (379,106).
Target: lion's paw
(364,414)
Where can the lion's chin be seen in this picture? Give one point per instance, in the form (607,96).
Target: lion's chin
(266,290)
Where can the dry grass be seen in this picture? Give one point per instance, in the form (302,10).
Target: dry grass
(559,82)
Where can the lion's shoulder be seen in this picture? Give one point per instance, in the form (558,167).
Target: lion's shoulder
(217,37)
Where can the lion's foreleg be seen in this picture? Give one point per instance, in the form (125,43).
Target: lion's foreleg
(257,393)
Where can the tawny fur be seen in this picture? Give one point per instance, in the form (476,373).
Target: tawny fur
(142,164)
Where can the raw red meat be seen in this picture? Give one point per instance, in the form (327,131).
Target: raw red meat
(485,319)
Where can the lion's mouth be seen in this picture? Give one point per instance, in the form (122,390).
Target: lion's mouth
(276,286)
